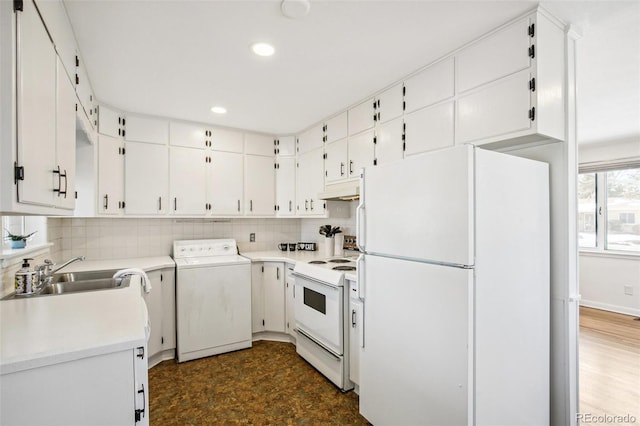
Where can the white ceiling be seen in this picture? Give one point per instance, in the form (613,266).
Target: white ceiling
(179,58)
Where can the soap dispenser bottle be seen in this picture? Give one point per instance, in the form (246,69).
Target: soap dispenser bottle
(26,279)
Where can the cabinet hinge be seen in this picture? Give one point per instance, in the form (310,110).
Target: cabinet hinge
(404,146)
(77,61)
(77,79)
(375,140)
(263,268)
(324,206)
(532,30)
(532,51)
(262,322)
(18,6)
(18,173)
(324,156)
(140,353)
(326,174)
(375,161)
(76,107)
(76,195)
(532,84)
(161,277)
(404,105)
(162,340)
(532,114)
(404,90)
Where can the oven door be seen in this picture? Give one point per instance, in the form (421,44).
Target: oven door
(319,312)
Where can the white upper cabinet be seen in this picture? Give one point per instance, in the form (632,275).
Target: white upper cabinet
(335,128)
(55,17)
(190,135)
(361,117)
(187,181)
(286,186)
(389,141)
(286,145)
(110,175)
(311,139)
(389,104)
(361,153)
(431,85)
(429,128)
(144,129)
(310,183)
(498,55)
(257,144)
(85,92)
(64,188)
(336,161)
(259,189)
(226,183)
(146,178)
(227,140)
(511,85)
(111,122)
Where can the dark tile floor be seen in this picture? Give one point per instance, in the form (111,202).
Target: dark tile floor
(268,384)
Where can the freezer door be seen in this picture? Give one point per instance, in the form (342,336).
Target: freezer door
(421,208)
(414,366)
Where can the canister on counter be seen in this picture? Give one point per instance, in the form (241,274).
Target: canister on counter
(26,279)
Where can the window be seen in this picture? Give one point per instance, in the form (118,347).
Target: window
(608,210)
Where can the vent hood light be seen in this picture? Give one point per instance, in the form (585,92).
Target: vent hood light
(263,49)
(347,191)
(219,110)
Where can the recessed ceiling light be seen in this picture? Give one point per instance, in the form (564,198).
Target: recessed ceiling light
(263,49)
(219,110)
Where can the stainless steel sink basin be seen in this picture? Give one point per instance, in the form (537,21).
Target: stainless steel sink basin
(64,277)
(64,287)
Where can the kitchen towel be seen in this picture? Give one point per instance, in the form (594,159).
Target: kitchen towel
(146,283)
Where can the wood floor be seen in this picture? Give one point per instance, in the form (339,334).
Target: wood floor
(609,366)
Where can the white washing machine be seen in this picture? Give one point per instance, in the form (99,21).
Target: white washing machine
(213,298)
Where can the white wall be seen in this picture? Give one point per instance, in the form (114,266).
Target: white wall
(603,279)
(309,228)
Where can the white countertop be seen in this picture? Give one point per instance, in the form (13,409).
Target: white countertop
(292,257)
(147,264)
(47,330)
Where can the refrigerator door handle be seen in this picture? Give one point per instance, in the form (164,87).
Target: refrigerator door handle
(360,243)
(360,276)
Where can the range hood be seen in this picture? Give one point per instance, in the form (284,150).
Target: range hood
(346,191)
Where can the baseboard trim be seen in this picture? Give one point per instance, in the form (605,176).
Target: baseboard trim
(611,308)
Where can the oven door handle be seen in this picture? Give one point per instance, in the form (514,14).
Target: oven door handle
(315,280)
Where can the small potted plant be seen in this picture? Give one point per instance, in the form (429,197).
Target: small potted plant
(18,241)
(329,232)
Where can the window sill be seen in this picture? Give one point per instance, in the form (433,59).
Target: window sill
(609,253)
(7,255)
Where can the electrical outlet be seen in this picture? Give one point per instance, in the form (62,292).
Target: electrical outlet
(628,290)
(252,237)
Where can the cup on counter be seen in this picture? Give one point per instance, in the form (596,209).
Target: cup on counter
(283,246)
(292,246)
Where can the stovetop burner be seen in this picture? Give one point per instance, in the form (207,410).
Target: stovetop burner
(317,262)
(339,260)
(344,268)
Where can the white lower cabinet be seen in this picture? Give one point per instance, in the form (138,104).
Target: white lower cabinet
(110,175)
(290,289)
(268,297)
(355,335)
(107,389)
(161,305)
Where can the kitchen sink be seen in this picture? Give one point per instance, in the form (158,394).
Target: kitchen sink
(64,277)
(64,287)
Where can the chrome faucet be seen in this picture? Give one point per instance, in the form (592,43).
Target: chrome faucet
(45,271)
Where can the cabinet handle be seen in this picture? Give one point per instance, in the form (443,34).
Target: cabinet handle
(353,318)
(175,204)
(160,203)
(106,202)
(140,411)
(311,202)
(250,205)
(238,205)
(341,169)
(66,183)
(57,172)
(290,205)
(277,273)
(350,167)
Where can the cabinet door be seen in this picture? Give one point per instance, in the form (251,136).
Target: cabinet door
(110,174)
(494,57)
(290,301)
(110,122)
(226,183)
(388,146)
(227,140)
(36,88)
(355,340)
(257,297)
(286,186)
(259,185)
(274,297)
(258,144)
(65,141)
(187,181)
(146,178)
(360,153)
(286,146)
(431,85)
(389,104)
(429,128)
(189,135)
(495,109)
(361,117)
(143,129)
(310,139)
(168,282)
(153,299)
(335,163)
(85,95)
(310,182)
(336,128)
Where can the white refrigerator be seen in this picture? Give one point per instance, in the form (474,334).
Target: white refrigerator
(455,284)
